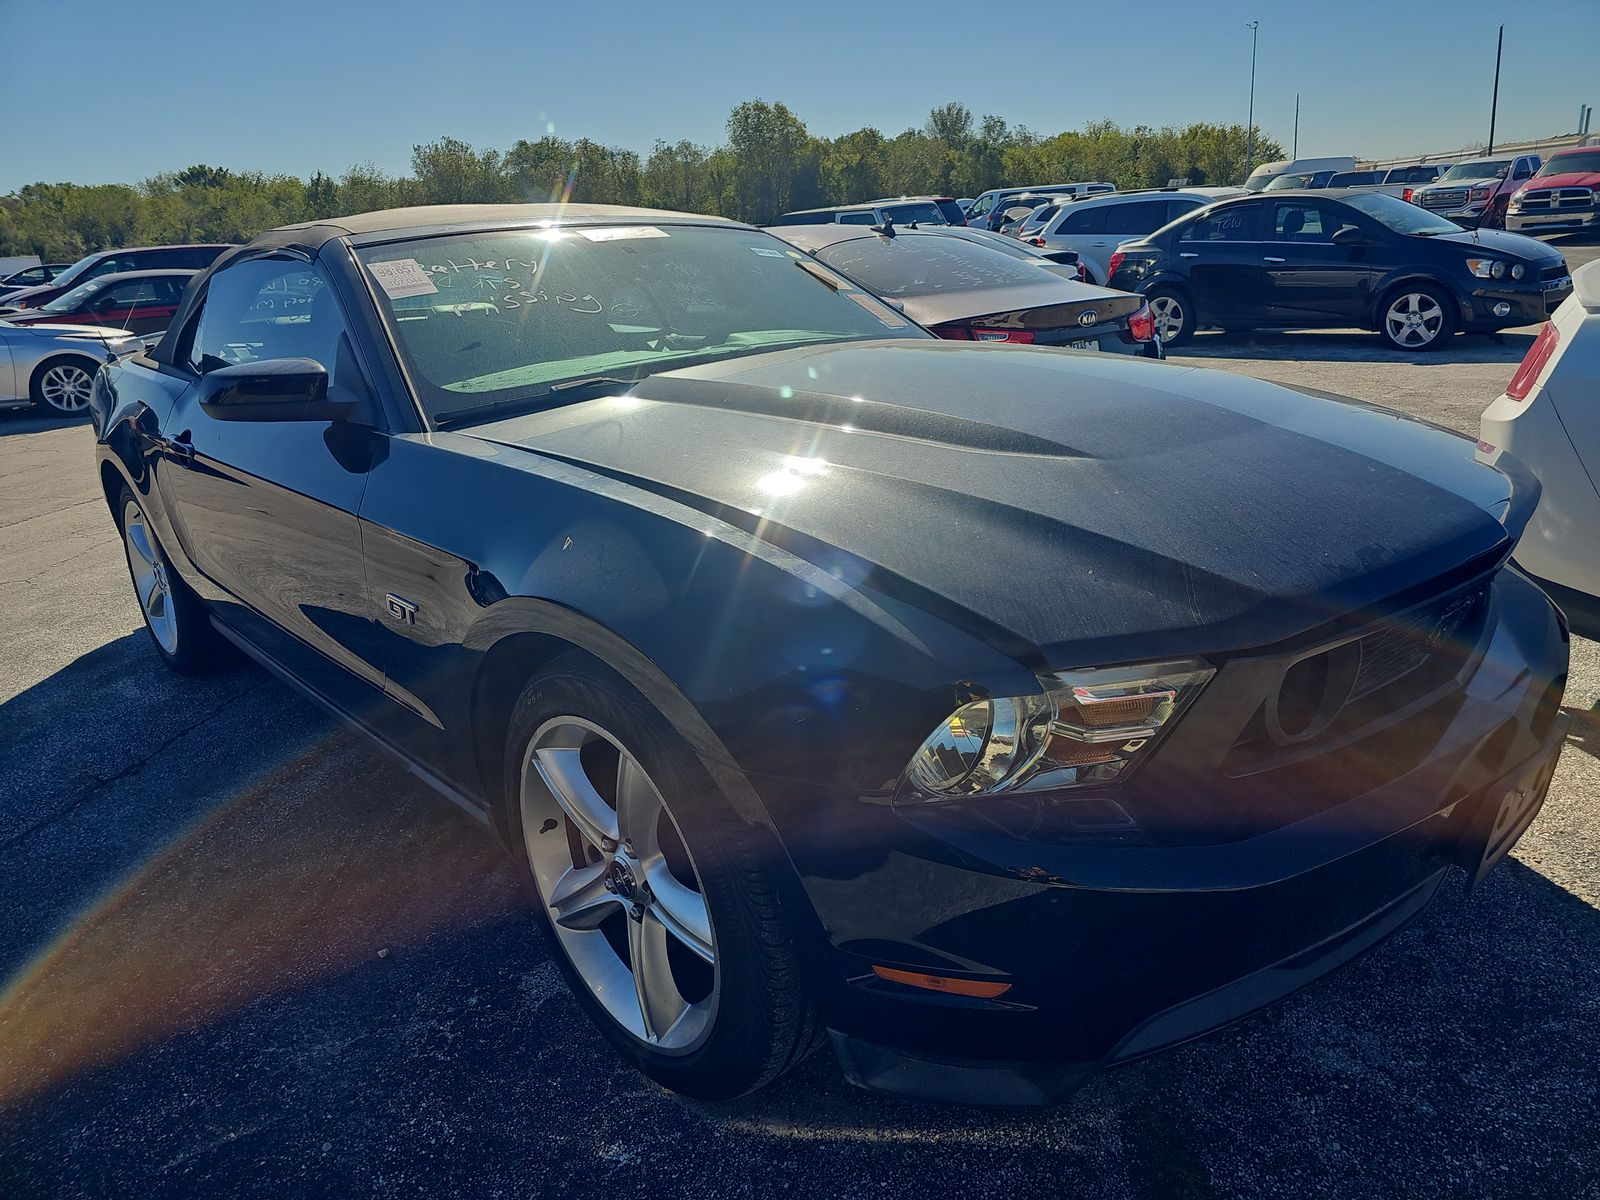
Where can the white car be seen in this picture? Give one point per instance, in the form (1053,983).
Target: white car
(1548,419)
(1095,227)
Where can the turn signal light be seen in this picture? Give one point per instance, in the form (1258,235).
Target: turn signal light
(1142,325)
(978,988)
(1116,261)
(1533,362)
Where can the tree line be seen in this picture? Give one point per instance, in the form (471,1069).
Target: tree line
(769,163)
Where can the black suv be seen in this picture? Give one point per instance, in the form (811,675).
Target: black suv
(1302,259)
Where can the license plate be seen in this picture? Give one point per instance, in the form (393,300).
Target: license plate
(1504,816)
(1084,345)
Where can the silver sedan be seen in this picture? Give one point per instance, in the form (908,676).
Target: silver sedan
(53,366)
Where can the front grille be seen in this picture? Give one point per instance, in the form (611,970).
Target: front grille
(1559,271)
(1557,199)
(1391,653)
(1443,198)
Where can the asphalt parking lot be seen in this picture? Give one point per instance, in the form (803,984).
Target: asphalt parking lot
(243,954)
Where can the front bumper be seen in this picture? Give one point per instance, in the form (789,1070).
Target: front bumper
(1116,951)
(1549,221)
(1529,302)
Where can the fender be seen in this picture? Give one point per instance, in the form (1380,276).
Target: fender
(1411,275)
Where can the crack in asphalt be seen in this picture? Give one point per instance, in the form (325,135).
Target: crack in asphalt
(131,769)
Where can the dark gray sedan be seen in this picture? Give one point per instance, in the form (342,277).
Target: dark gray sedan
(970,292)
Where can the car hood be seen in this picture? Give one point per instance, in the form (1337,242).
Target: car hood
(1440,185)
(1069,508)
(1588,179)
(1519,244)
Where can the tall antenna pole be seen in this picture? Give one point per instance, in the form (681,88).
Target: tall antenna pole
(1250,124)
(1295,153)
(1494,105)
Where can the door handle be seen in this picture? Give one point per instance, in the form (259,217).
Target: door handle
(1098,245)
(1188,254)
(180,449)
(1271,258)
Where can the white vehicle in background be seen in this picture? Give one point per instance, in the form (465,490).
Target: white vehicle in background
(1548,419)
(1095,227)
(1310,167)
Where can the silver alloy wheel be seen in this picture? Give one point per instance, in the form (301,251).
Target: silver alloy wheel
(1413,320)
(1169,315)
(65,387)
(621,888)
(150,579)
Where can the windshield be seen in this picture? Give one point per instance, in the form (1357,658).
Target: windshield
(1299,179)
(483,319)
(71,301)
(920,265)
(1400,215)
(1488,168)
(1571,161)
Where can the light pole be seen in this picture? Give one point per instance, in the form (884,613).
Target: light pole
(1295,153)
(1494,103)
(1250,124)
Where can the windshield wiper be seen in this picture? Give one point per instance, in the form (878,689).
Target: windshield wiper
(555,390)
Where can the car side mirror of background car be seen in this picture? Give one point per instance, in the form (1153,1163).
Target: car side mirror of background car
(1349,235)
(274,389)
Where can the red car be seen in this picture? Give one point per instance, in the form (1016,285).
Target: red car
(1565,194)
(137,301)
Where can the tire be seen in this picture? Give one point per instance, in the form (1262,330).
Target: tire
(1415,317)
(176,619)
(696,873)
(1176,309)
(60,385)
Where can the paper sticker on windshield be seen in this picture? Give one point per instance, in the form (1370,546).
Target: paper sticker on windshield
(880,310)
(401,278)
(766,253)
(622,232)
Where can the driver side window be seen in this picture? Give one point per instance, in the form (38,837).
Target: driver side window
(266,308)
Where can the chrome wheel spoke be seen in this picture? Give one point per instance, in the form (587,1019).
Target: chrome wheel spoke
(596,821)
(660,1004)
(638,807)
(681,911)
(139,539)
(581,899)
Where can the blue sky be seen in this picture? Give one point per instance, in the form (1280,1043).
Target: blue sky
(153,85)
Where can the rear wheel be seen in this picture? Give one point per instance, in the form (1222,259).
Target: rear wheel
(1174,315)
(61,386)
(659,898)
(1416,317)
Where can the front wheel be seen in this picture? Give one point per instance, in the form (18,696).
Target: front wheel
(61,386)
(1417,317)
(174,616)
(662,902)
(1174,315)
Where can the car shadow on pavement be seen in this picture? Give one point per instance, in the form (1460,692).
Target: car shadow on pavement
(1344,345)
(31,420)
(307,975)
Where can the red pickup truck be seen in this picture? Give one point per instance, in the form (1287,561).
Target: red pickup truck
(1565,194)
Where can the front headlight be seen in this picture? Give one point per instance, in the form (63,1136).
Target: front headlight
(1480,193)
(1487,268)
(1086,727)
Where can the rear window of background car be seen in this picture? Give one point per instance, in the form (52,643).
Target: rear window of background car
(913,265)
(1139,216)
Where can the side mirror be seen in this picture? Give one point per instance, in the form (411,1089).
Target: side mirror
(274,389)
(1349,235)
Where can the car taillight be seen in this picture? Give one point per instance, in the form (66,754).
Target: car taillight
(1116,261)
(1538,355)
(953,333)
(1083,273)
(980,334)
(1036,241)
(1142,325)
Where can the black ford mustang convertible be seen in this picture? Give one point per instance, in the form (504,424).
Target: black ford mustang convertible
(996,712)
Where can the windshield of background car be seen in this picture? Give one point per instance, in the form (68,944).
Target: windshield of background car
(912,265)
(71,301)
(926,212)
(482,318)
(952,212)
(1570,162)
(1484,169)
(1283,182)
(1399,215)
